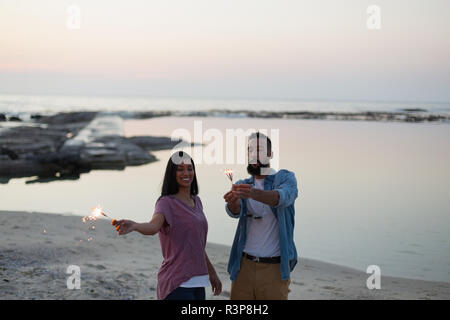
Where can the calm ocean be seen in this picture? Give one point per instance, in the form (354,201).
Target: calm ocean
(371,193)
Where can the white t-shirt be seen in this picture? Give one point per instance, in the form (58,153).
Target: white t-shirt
(263,238)
(196,281)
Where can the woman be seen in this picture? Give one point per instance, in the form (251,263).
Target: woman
(182,227)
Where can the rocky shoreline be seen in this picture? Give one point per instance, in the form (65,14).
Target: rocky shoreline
(413,115)
(65,145)
(403,115)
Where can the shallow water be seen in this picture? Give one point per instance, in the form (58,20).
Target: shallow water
(370,193)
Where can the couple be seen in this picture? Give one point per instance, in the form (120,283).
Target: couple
(263,252)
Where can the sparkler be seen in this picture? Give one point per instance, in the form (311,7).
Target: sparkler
(96,214)
(229,174)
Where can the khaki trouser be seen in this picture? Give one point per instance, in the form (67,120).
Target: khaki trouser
(259,281)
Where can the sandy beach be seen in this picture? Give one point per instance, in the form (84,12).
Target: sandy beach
(37,248)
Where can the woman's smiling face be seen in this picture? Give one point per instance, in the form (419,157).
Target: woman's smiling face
(185,174)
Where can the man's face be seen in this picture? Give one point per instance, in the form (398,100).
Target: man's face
(257,150)
(257,155)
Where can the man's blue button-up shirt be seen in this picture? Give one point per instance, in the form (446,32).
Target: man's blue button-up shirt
(285,183)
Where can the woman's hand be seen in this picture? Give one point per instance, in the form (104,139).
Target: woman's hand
(216,284)
(123,226)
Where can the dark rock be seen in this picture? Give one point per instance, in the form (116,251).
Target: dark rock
(104,159)
(10,153)
(116,149)
(414,110)
(68,118)
(153,143)
(2,117)
(14,118)
(36,116)
(4,180)
(27,168)
(149,114)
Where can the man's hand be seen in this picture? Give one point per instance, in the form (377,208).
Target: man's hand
(244,191)
(233,201)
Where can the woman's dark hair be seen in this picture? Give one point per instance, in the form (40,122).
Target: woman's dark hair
(170,184)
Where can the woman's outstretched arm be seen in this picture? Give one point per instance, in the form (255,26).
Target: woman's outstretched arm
(148,228)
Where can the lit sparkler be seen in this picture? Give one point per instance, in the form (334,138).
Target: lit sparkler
(96,214)
(229,174)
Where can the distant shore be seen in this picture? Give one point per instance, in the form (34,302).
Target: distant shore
(412,115)
(37,248)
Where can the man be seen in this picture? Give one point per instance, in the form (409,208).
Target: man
(263,252)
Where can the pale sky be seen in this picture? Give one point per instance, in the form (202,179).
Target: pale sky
(286,49)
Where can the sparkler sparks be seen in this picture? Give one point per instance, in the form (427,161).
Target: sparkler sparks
(229,174)
(96,214)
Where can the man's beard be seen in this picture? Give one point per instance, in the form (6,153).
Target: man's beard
(256,171)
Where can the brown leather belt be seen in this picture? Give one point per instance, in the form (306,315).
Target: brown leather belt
(263,260)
